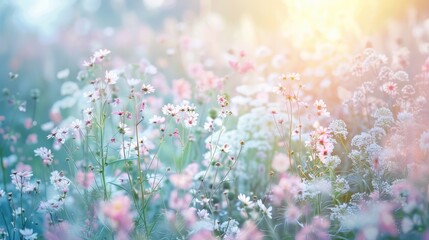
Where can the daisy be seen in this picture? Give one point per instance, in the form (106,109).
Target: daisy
(321,108)
(147,88)
(293,76)
(124,129)
(111,77)
(265,210)
(101,54)
(92,96)
(157,119)
(245,200)
(208,126)
(191,120)
(169,109)
(76,124)
(90,63)
(225,148)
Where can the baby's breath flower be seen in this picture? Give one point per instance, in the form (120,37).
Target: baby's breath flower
(338,128)
(362,140)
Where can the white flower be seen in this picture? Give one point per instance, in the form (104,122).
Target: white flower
(338,128)
(170,109)
(68,88)
(76,124)
(147,88)
(293,76)
(157,119)
(321,108)
(124,129)
(265,210)
(152,70)
(111,77)
(92,95)
(208,126)
(133,81)
(28,234)
(225,148)
(230,228)
(88,111)
(59,181)
(401,76)
(101,54)
(63,73)
(18,211)
(203,214)
(44,153)
(89,63)
(191,120)
(246,201)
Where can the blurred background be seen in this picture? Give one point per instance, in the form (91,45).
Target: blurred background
(43,42)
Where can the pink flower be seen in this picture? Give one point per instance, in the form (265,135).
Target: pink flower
(28,123)
(425,67)
(118,215)
(241,67)
(179,203)
(203,234)
(390,88)
(209,81)
(58,231)
(184,180)
(386,223)
(317,229)
(250,232)
(280,162)
(292,213)
(181,181)
(111,77)
(288,188)
(85,179)
(55,115)
(189,215)
(31,139)
(182,89)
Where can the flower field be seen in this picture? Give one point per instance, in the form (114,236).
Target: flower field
(214,119)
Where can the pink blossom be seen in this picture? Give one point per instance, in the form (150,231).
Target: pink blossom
(177,202)
(280,162)
(203,234)
(182,89)
(85,179)
(184,180)
(31,139)
(317,229)
(119,216)
(28,123)
(250,232)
